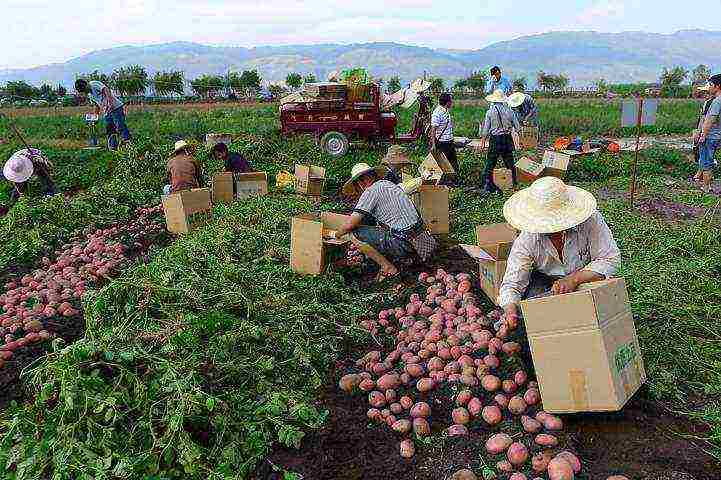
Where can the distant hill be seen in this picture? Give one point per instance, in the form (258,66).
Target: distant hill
(582,56)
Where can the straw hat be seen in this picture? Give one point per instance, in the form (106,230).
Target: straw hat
(358,170)
(549,206)
(516,99)
(497,97)
(19,168)
(396,156)
(179,145)
(419,85)
(705,87)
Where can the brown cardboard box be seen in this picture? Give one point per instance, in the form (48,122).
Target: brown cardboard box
(436,167)
(556,163)
(186,210)
(528,171)
(309,180)
(309,243)
(584,347)
(252,184)
(528,137)
(432,203)
(496,239)
(503,179)
(223,187)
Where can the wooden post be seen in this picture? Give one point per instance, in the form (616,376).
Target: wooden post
(634,167)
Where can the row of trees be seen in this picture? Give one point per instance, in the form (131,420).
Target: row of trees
(23,90)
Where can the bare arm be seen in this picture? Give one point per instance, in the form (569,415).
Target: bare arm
(353,222)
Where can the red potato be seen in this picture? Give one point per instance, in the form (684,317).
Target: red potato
(504,466)
(552,422)
(349,382)
(560,469)
(379,368)
(491,383)
(501,400)
(460,416)
(498,443)
(367,385)
(509,386)
(376,399)
(540,461)
(511,348)
(424,385)
(618,477)
(469,380)
(571,459)
(421,427)
(517,454)
(457,430)
(391,396)
(517,405)
(530,425)
(406,402)
(408,449)
(6,355)
(389,381)
(532,396)
(374,415)
(492,415)
(421,409)
(44,334)
(475,406)
(518,476)
(492,361)
(520,377)
(402,426)
(436,363)
(546,440)
(463,398)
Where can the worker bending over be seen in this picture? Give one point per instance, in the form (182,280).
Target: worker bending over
(524,108)
(401,233)
(184,171)
(109,106)
(232,161)
(497,129)
(564,243)
(20,168)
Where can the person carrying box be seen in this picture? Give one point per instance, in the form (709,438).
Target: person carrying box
(497,127)
(184,171)
(401,233)
(564,243)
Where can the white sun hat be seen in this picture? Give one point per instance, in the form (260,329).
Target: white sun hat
(358,170)
(516,99)
(497,97)
(549,206)
(419,85)
(179,145)
(19,168)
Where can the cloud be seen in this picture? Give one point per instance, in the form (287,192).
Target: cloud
(602,11)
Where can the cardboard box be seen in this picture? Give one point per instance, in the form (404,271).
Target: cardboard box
(252,184)
(432,203)
(503,179)
(528,138)
(309,180)
(437,168)
(309,242)
(494,245)
(556,163)
(186,210)
(528,171)
(223,187)
(496,239)
(585,349)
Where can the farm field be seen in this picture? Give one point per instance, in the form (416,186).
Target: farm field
(206,357)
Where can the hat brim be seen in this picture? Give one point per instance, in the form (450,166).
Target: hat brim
(496,99)
(18,177)
(420,86)
(580,207)
(515,101)
(349,188)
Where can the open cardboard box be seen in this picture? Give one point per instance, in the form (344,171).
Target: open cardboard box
(186,210)
(309,180)
(503,179)
(556,163)
(528,171)
(585,349)
(223,187)
(433,205)
(251,184)
(437,168)
(494,243)
(310,241)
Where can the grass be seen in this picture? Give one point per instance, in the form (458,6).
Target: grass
(195,363)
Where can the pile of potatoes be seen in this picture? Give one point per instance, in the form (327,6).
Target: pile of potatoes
(38,299)
(444,342)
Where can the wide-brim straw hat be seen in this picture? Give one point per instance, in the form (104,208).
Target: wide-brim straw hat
(497,97)
(179,145)
(549,206)
(516,99)
(396,156)
(419,85)
(358,170)
(705,87)
(19,168)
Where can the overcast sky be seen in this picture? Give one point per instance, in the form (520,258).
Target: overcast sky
(36,32)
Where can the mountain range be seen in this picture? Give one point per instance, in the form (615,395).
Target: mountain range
(582,56)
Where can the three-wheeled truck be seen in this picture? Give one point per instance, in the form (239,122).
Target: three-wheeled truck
(336,114)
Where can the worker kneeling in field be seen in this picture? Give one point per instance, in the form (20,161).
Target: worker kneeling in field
(400,234)
(564,242)
(232,162)
(184,171)
(524,108)
(497,127)
(20,168)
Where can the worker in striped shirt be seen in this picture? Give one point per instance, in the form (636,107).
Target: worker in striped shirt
(441,134)
(400,233)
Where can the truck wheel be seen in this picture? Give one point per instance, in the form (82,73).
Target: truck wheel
(335,144)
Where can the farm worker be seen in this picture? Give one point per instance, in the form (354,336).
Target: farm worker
(109,105)
(709,138)
(184,171)
(524,108)
(564,242)
(441,134)
(232,161)
(497,129)
(395,160)
(21,166)
(706,96)
(401,234)
(499,82)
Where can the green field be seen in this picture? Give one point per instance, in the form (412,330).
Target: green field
(215,334)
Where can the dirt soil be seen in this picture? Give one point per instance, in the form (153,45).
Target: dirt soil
(667,210)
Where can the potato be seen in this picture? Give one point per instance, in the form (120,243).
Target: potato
(520,377)
(617,477)
(509,386)
(498,443)
(571,459)
(421,409)
(492,415)
(421,427)
(475,405)
(552,422)
(367,385)
(546,440)
(376,399)
(460,416)
(530,425)
(504,466)
(491,383)
(511,348)
(407,448)
(469,380)
(517,405)
(532,396)
(390,420)
(349,382)
(517,454)
(402,426)
(464,474)
(414,370)
(406,402)
(391,396)
(540,461)
(374,414)
(436,363)
(501,400)
(560,469)
(463,398)
(518,476)
(396,408)
(491,361)
(457,430)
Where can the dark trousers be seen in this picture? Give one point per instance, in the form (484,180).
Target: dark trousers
(499,146)
(115,123)
(449,150)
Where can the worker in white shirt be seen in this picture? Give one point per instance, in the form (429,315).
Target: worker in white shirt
(441,133)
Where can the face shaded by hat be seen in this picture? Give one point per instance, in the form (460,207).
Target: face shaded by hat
(358,171)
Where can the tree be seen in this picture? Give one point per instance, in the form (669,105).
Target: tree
(460,84)
(130,81)
(520,84)
(169,82)
(61,91)
(551,82)
(294,80)
(394,84)
(100,77)
(601,85)
(477,81)
(276,90)
(22,90)
(438,85)
(47,92)
(208,86)
(310,78)
(250,82)
(700,74)
(673,77)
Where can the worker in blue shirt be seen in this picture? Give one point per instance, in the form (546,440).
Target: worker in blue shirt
(499,82)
